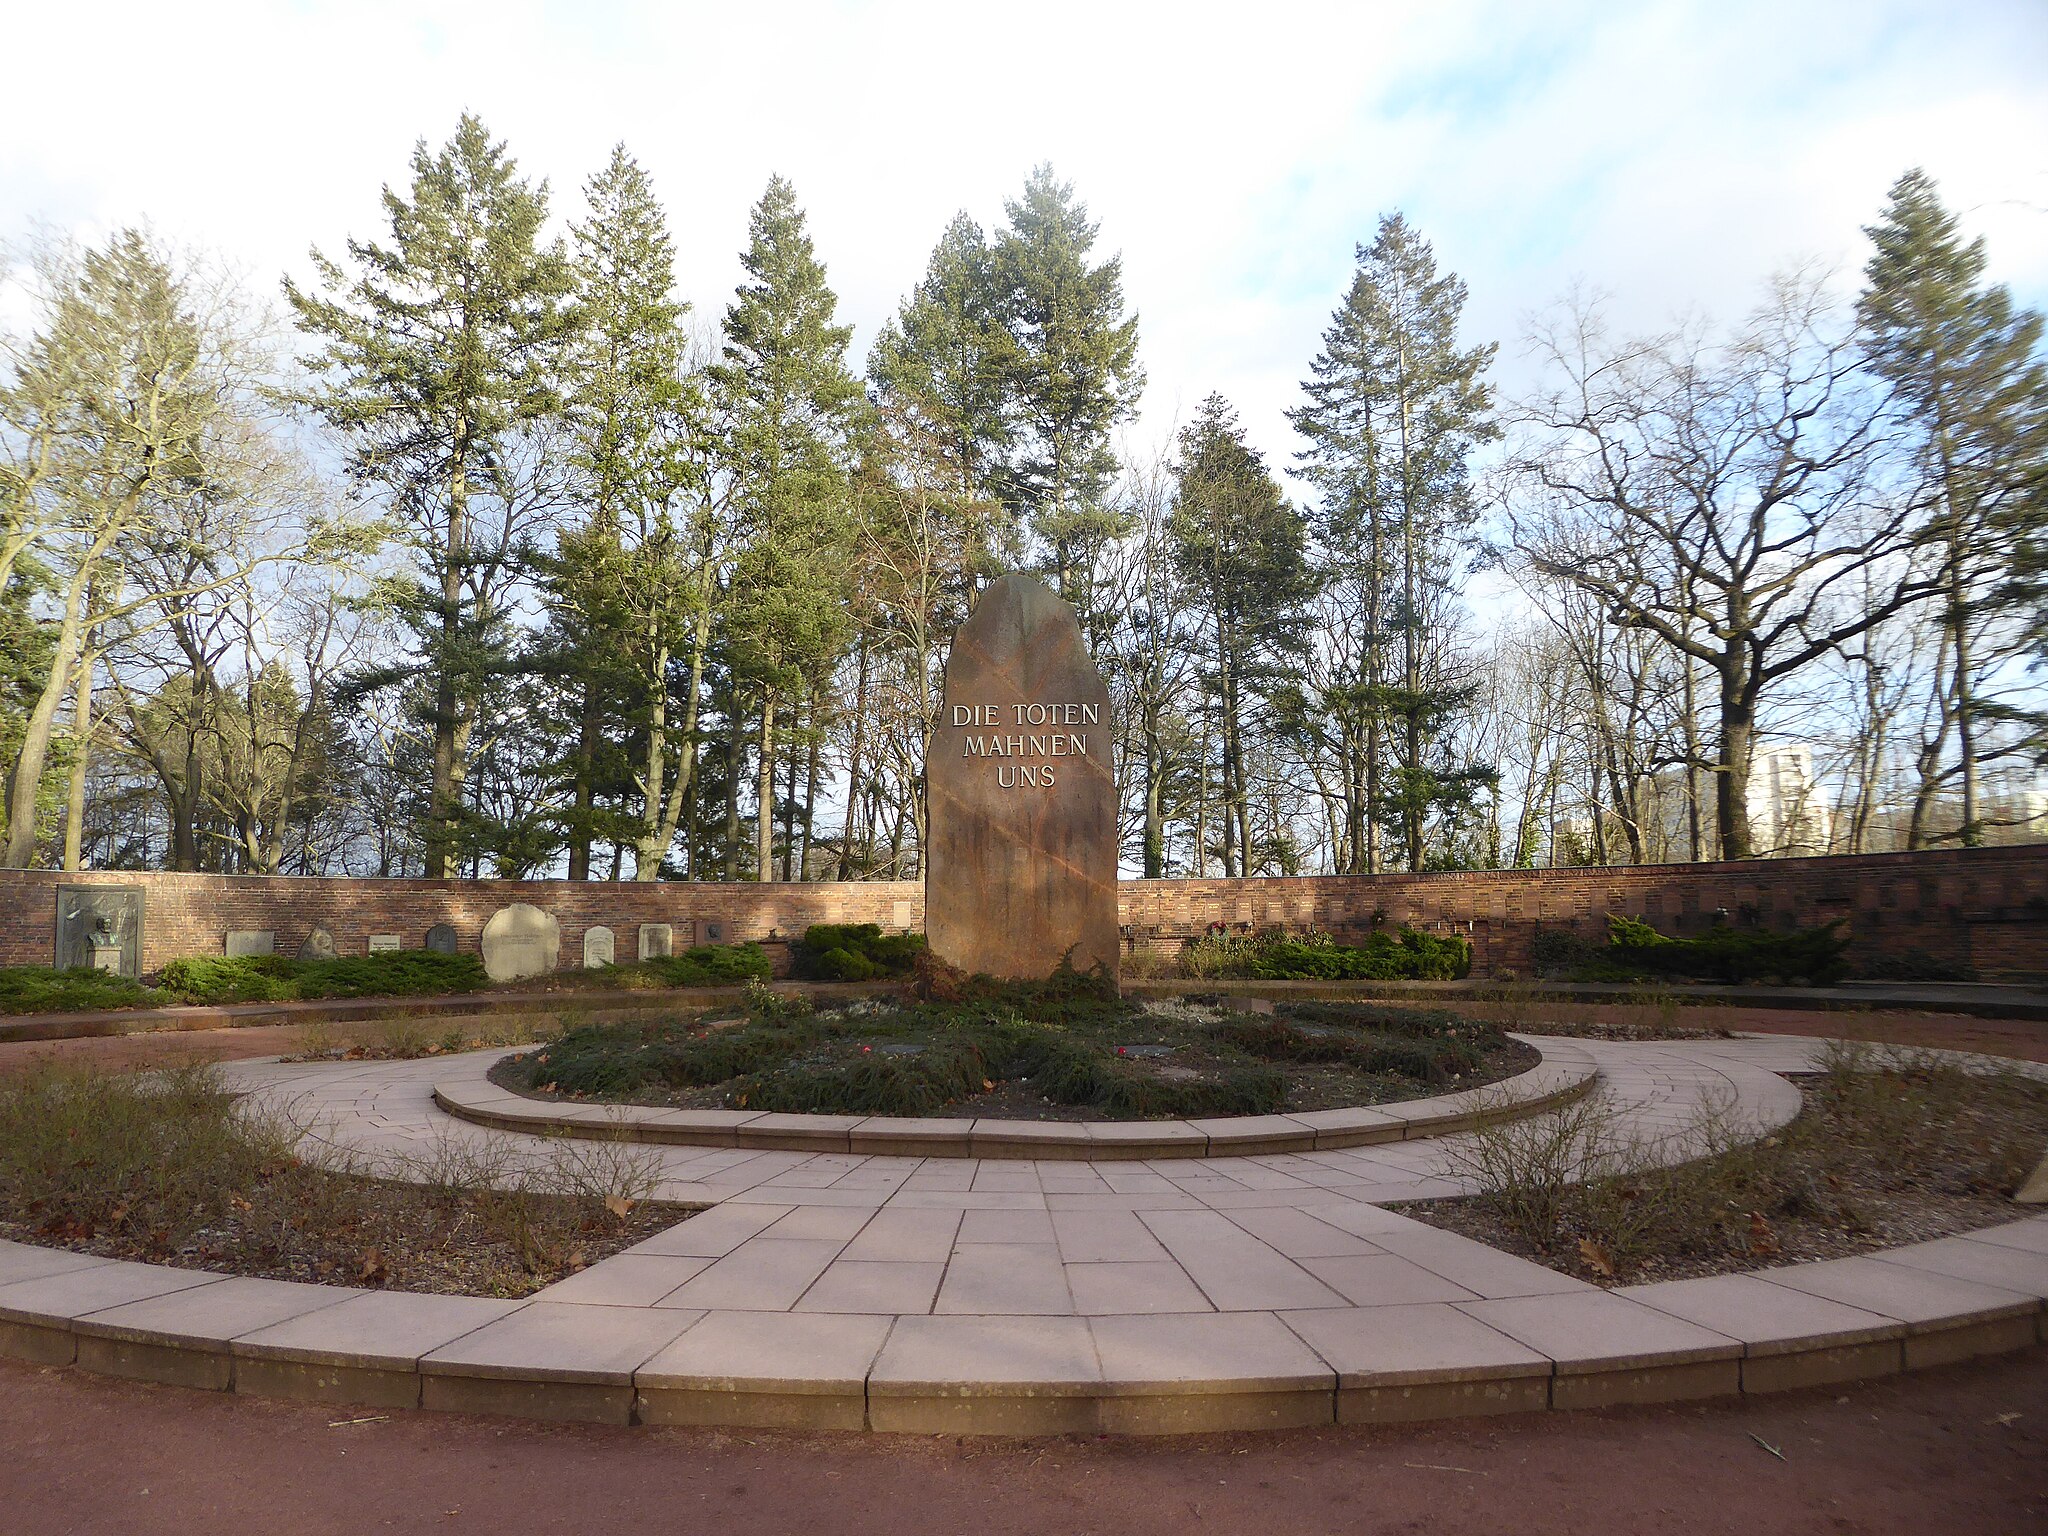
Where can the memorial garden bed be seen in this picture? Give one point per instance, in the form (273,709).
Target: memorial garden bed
(1890,1147)
(1060,1050)
(163,1167)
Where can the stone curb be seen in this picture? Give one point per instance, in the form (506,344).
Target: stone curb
(1771,1330)
(1564,1073)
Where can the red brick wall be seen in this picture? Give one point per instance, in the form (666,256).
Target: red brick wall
(1987,907)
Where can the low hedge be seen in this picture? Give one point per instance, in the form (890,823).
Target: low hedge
(1636,952)
(278,978)
(854,952)
(42,989)
(1412,956)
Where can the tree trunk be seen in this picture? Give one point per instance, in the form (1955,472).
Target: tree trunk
(764,820)
(1738,744)
(74,800)
(585,790)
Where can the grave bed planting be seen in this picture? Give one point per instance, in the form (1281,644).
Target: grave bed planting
(1064,1049)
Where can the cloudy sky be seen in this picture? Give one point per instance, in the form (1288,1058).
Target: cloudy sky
(1673,154)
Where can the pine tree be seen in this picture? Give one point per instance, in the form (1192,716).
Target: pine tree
(1395,410)
(438,354)
(1072,375)
(1962,366)
(631,584)
(1238,548)
(941,363)
(790,408)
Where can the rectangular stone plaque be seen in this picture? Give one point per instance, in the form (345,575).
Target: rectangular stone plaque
(657,941)
(99,927)
(385,943)
(251,941)
(1023,852)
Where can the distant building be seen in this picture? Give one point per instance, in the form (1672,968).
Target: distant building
(1788,812)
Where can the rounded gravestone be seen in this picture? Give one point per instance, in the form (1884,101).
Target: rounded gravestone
(319,945)
(441,939)
(1023,847)
(598,948)
(519,941)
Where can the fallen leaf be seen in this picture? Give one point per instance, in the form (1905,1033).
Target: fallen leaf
(239,1203)
(1597,1257)
(373,1271)
(618,1205)
(987,1086)
(1763,1242)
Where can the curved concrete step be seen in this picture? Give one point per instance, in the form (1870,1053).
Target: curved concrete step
(1802,1325)
(1565,1072)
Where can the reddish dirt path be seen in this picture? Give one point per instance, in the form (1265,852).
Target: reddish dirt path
(1926,1454)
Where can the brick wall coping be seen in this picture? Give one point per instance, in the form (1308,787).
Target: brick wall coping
(1564,1072)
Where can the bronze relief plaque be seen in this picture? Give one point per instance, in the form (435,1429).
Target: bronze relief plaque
(1022,852)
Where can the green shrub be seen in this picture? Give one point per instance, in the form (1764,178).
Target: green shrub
(1413,956)
(40,989)
(709,965)
(854,952)
(1725,954)
(278,978)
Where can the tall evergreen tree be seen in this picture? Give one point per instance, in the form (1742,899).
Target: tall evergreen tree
(1238,547)
(1072,375)
(1963,366)
(437,354)
(942,362)
(1395,409)
(632,583)
(790,409)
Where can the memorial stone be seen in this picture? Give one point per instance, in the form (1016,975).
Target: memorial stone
(519,941)
(597,948)
(1022,861)
(385,943)
(441,939)
(99,928)
(251,941)
(319,945)
(657,941)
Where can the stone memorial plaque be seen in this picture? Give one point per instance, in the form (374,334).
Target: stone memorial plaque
(441,939)
(520,941)
(251,941)
(385,943)
(597,948)
(657,941)
(99,928)
(319,945)
(714,933)
(1023,851)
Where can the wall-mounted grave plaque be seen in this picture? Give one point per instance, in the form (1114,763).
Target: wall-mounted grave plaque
(1023,849)
(251,941)
(99,927)
(657,941)
(441,939)
(714,933)
(319,945)
(519,941)
(598,946)
(385,943)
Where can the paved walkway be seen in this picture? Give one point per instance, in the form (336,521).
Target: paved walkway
(983,1295)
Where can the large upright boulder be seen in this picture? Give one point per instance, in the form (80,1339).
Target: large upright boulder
(1021,856)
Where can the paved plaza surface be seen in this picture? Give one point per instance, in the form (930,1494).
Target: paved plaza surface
(993,1296)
